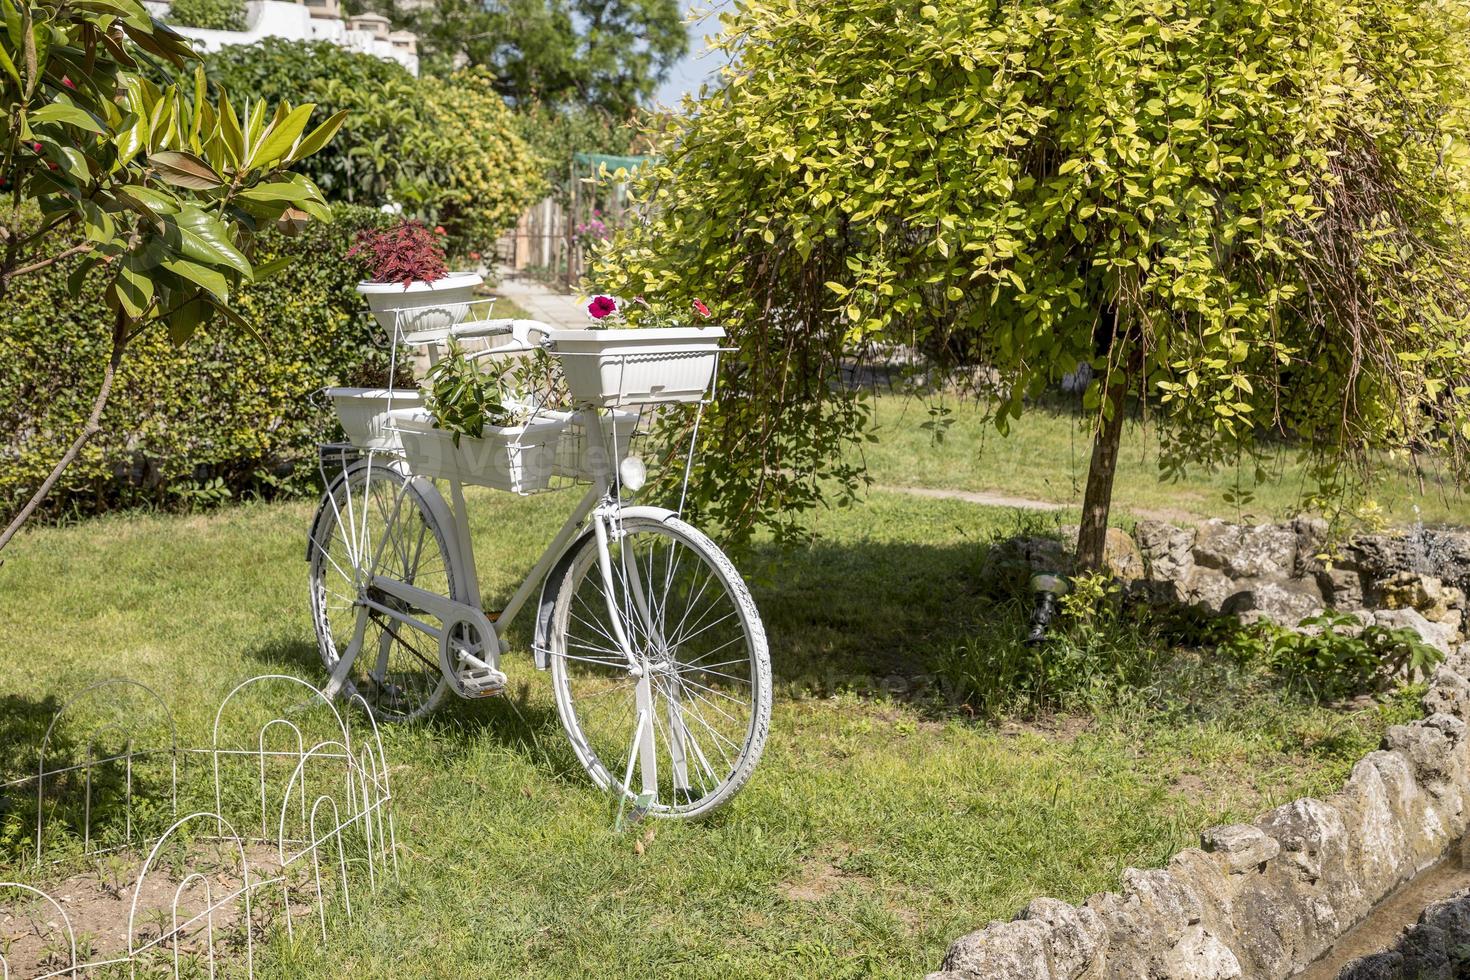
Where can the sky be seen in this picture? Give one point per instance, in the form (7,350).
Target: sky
(686,76)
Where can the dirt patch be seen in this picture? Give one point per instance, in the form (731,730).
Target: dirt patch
(173,908)
(821,878)
(1064,729)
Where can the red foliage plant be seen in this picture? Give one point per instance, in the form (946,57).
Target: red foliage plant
(408,252)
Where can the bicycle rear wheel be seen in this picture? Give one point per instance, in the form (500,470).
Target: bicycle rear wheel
(698,640)
(375,519)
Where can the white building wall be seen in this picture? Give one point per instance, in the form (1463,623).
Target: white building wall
(291,21)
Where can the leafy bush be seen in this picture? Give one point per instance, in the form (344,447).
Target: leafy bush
(1108,646)
(1336,656)
(236,404)
(448,150)
(214,15)
(1250,210)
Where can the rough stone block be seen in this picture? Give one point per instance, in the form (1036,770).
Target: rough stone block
(1246,552)
(1448,694)
(1341,587)
(1165,549)
(1284,601)
(1014,949)
(1239,847)
(1208,588)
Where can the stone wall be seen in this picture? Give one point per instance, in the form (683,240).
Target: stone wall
(1415,580)
(1263,900)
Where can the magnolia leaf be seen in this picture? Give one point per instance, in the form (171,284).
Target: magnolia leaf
(283,191)
(60,112)
(201,237)
(318,137)
(129,141)
(133,287)
(267,270)
(96,223)
(230,133)
(186,320)
(8,64)
(278,140)
(200,275)
(185,170)
(146,200)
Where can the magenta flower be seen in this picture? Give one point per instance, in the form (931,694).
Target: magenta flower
(701,309)
(602,306)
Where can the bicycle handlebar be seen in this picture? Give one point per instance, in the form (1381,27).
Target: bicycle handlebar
(521,330)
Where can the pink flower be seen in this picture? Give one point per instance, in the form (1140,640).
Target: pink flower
(701,309)
(438,229)
(602,306)
(475,256)
(68,82)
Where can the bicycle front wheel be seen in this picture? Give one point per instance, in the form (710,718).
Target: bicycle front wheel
(697,639)
(376,520)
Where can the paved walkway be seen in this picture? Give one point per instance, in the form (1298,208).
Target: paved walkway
(988,498)
(544,303)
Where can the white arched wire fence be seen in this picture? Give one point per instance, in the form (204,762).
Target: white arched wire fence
(301,815)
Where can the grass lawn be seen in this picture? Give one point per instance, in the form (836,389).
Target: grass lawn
(1045,457)
(876,829)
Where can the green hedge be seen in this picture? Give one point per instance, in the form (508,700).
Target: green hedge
(214,15)
(233,410)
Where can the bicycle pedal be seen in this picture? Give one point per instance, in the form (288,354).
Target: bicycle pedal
(482,683)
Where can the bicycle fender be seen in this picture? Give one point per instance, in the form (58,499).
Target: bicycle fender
(551,585)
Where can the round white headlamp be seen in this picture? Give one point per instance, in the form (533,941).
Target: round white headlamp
(633,473)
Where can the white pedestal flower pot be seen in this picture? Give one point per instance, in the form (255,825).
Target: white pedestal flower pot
(421,305)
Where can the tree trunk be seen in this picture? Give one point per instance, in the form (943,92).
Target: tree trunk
(93,424)
(1097,499)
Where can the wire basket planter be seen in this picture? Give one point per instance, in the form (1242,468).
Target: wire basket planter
(634,377)
(301,817)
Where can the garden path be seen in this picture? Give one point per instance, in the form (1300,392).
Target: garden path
(543,302)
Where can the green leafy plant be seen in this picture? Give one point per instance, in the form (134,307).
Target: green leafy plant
(447,150)
(463,397)
(154,190)
(1248,215)
(1337,657)
(214,15)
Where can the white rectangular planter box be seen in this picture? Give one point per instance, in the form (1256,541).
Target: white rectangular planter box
(518,458)
(364,413)
(638,367)
(578,458)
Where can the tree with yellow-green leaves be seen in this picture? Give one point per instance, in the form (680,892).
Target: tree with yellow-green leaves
(1247,214)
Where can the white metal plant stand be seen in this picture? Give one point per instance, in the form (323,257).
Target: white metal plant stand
(657,655)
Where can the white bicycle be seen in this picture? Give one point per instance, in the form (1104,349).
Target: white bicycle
(657,655)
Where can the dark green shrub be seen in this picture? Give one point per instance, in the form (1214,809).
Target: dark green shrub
(235,405)
(214,15)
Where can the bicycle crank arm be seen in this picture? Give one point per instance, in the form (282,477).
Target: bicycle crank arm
(467,631)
